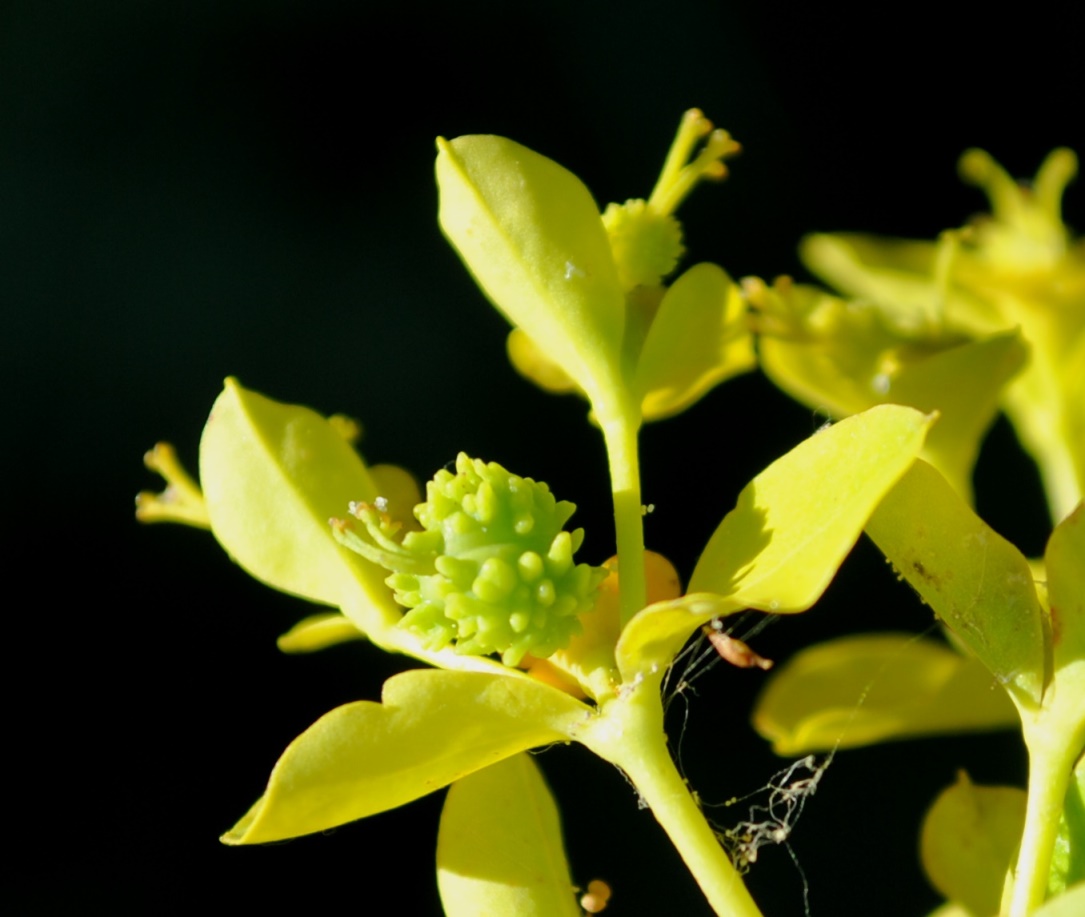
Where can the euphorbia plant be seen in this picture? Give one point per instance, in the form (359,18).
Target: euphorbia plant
(529,646)
(992,314)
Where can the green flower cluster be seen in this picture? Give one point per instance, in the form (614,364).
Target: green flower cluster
(492,570)
(646,244)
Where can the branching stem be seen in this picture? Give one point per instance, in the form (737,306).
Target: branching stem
(634,740)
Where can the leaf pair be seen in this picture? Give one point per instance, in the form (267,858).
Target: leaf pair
(1028,636)
(268,500)
(792,527)
(530,233)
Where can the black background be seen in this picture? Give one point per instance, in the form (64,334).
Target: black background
(194,190)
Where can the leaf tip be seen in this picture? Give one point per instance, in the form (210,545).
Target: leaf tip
(239,833)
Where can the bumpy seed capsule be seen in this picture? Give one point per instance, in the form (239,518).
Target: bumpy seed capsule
(491,572)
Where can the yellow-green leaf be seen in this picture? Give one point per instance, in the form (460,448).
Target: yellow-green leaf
(1068,857)
(964,384)
(697,339)
(968,842)
(431,728)
(858,361)
(499,847)
(1065,562)
(532,363)
(870,688)
(272,476)
(795,522)
(318,632)
(655,634)
(975,580)
(793,525)
(1070,903)
(530,233)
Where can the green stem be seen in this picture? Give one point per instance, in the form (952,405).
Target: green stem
(633,739)
(1053,750)
(620,435)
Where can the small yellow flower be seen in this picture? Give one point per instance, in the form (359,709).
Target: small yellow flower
(1017,268)
(583,291)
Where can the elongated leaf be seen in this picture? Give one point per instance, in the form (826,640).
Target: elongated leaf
(975,580)
(499,848)
(871,688)
(698,339)
(431,728)
(969,839)
(272,476)
(532,236)
(795,522)
(793,525)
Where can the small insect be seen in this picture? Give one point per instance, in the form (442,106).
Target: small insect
(733,650)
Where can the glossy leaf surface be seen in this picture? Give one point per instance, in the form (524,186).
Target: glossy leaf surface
(795,522)
(780,546)
(431,728)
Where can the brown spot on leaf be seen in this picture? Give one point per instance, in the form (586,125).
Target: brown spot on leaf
(926,574)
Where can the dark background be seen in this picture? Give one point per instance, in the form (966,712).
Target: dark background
(194,190)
